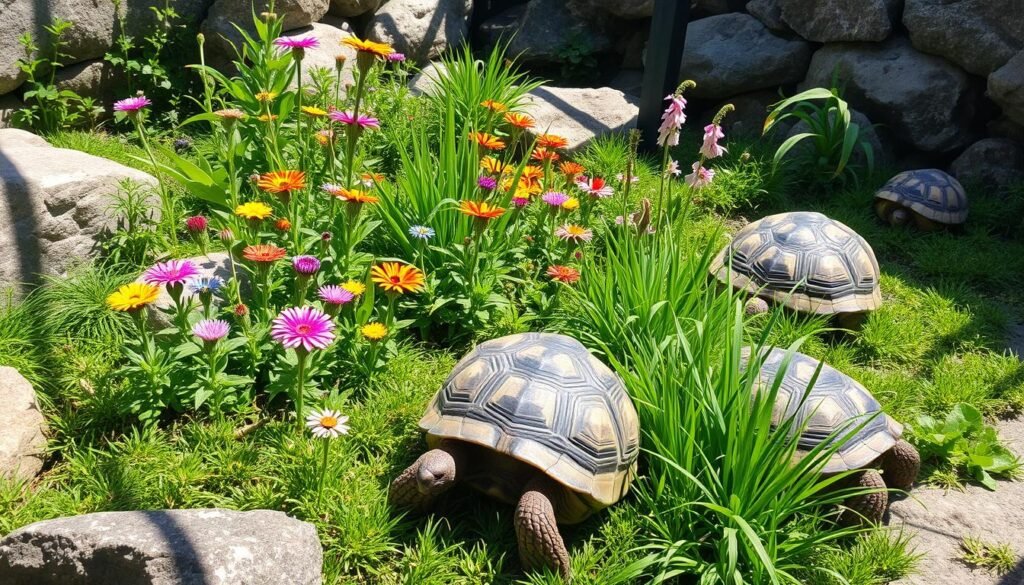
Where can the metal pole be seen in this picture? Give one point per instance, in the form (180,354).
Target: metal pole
(661,69)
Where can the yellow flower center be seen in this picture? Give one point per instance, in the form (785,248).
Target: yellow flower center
(328,422)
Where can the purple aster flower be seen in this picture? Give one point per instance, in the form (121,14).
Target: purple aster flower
(333,294)
(487,183)
(306,265)
(301,42)
(211,329)
(396,57)
(520,201)
(349,118)
(554,198)
(171,272)
(132,105)
(304,328)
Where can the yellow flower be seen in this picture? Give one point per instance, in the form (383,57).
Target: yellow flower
(314,111)
(266,96)
(398,278)
(133,296)
(267,117)
(355,287)
(571,204)
(376,49)
(374,331)
(253,210)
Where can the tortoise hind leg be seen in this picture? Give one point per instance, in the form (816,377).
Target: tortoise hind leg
(900,465)
(871,505)
(434,473)
(540,544)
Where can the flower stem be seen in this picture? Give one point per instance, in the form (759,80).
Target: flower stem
(300,384)
(323,472)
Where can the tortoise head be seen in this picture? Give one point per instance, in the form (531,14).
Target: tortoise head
(899,216)
(436,472)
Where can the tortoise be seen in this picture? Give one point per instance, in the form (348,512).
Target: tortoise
(929,197)
(805,261)
(536,421)
(829,411)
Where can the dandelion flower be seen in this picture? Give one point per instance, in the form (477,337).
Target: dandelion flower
(133,296)
(355,287)
(266,96)
(308,328)
(700,177)
(132,105)
(552,141)
(282,181)
(397,278)
(306,265)
(314,111)
(595,187)
(520,121)
(211,329)
(333,294)
(263,253)
(566,274)
(374,331)
(421,232)
(571,204)
(481,210)
(710,148)
(488,141)
(170,273)
(574,233)
(253,210)
(327,424)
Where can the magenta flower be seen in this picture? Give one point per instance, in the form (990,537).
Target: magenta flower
(595,187)
(396,57)
(132,105)
(196,224)
(306,265)
(303,42)
(554,198)
(333,294)
(672,120)
(487,183)
(520,201)
(211,329)
(712,134)
(349,118)
(303,327)
(170,273)
(700,177)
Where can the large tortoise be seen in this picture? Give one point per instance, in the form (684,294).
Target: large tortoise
(928,197)
(833,408)
(536,421)
(806,261)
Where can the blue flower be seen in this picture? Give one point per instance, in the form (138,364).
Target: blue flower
(205,284)
(421,231)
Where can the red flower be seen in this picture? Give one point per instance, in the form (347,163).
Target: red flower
(566,274)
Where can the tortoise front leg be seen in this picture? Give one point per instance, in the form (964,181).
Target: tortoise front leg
(870,505)
(900,465)
(434,473)
(540,544)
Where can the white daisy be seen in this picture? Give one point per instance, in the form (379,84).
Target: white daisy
(327,423)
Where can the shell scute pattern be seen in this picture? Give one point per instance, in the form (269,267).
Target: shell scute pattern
(834,406)
(933,194)
(544,400)
(804,260)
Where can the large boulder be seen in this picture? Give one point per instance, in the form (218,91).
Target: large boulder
(9,104)
(978,35)
(734,53)
(325,56)
(426,79)
(1006,88)
(546,28)
(421,29)
(96,79)
(22,428)
(828,21)
(350,8)
(219,26)
(581,114)
(56,205)
(164,547)
(770,14)
(923,99)
(620,8)
(993,162)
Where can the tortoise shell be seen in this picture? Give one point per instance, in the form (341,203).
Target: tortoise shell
(931,193)
(544,400)
(835,405)
(805,261)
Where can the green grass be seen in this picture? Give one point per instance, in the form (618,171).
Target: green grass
(997,558)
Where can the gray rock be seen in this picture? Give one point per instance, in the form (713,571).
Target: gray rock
(97,79)
(548,27)
(426,79)
(1004,127)
(926,101)
(730,54)
(325,56)
(708,7)
(22,428)
(978,35)
(581,114)
(993,162)
(350,8)
(9,104)
(57,205)
(164,547)
(827,21)
(214,264)
(619,8)
(1006,88)
(748,117)
(500,28)
(422,29)
(770,14)
(220,32)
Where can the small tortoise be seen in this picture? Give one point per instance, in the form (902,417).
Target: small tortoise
(805,261)
(835,406)
(536,421)
(929,197)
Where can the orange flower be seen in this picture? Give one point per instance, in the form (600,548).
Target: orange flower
(487,141)
(551,141)
(481,210)
(357,196)
(263,253)
(544,154)
(571,168)
(521,121)
(379,50)
(494,106)
(566,274)
(370,179)
(397,278)
(494,166)
(283,225)
(282,181)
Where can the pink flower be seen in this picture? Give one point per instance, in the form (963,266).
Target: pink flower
(671,121)
(303,327)
(333,294)
(170,273)
(331,189)
(349,118)
(712,134)
(554,198)
(700,177)
(621,177)
(196,224)
(306,265)
(595,187)
(132,105)
(303,42)
(520,201)
(673,169)
(396,57)
(211,329)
